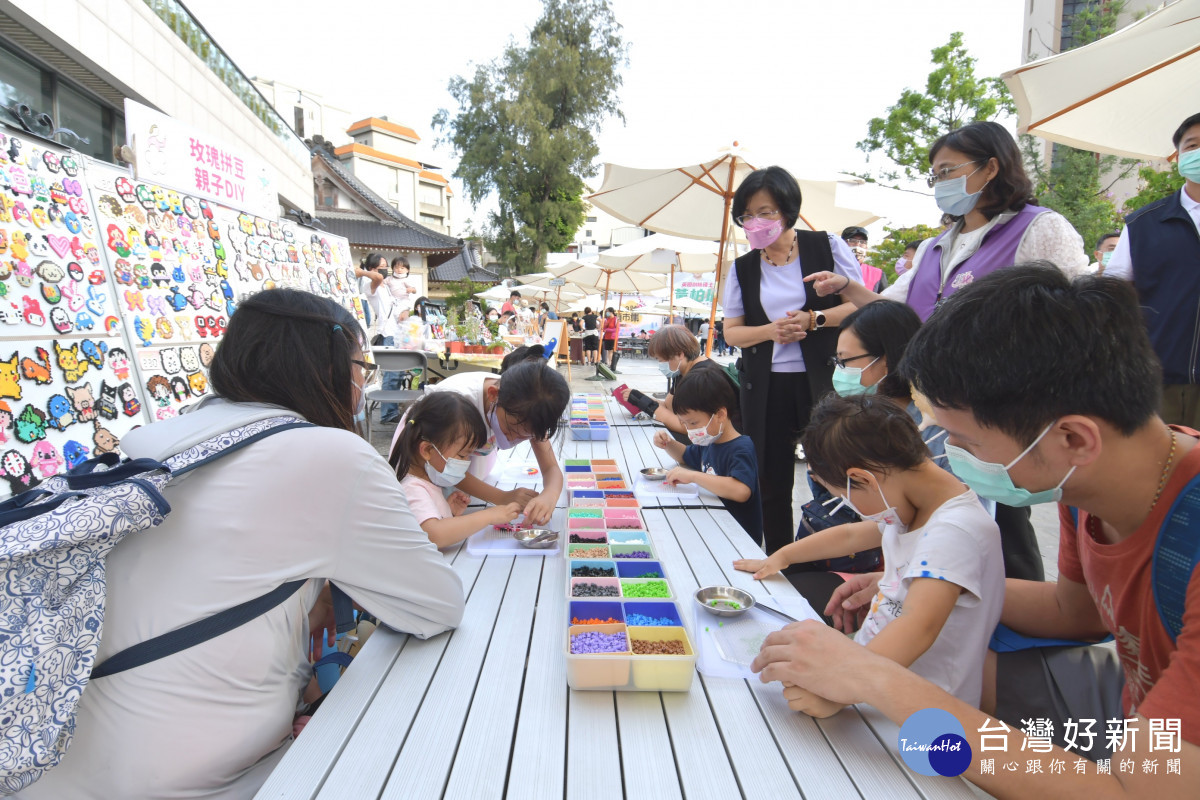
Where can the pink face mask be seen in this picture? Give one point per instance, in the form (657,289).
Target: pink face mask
(762,233)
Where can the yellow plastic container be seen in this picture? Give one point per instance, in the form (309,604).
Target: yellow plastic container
(596,670)
(662,673)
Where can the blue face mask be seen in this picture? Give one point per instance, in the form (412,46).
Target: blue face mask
(991,481)
(1106,257)
(1189,165)
(665,368)
(847,381)
(952,198)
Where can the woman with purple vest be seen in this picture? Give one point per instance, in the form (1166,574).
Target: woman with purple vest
(787,334)
(978,179)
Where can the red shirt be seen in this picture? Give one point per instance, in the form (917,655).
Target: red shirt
(611,326)
(1160,676)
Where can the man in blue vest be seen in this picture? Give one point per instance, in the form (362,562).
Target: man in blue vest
(1159,251)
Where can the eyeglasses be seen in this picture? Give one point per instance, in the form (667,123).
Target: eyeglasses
(935,177)
(744,218)
(841,363)
(367,367)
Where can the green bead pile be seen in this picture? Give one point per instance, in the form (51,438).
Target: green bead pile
(647,589)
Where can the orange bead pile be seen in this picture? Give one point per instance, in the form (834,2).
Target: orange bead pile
(594,621)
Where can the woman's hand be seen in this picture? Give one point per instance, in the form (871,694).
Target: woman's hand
(850,602)
(322,628)
(761,567)
(827,283)
(625,394)
(502,515)
(458,502)
(791,328)
(539,509)
(521,496)
(662,439)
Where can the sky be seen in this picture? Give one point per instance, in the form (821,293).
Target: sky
(794,80)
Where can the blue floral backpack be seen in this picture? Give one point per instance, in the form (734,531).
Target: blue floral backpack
(53,542)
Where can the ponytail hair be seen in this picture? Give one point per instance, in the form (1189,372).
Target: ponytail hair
(534,352)
(442,418)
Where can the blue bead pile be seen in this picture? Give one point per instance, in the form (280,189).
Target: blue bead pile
(643,619)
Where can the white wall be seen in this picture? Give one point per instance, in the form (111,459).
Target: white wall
(127,45)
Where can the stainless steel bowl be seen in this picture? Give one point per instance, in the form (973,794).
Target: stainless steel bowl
(536,538)
(654,473)
(724,601)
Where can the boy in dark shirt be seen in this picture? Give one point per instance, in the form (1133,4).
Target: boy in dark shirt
(719,458)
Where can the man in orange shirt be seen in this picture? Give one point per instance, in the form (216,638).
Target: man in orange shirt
(1049,391)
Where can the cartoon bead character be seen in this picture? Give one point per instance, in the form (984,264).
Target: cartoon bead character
(104,440)
(37,370)
(82,402)
(159,389)
(6,421)
(197,383)
(118,362)
(170,360)
(75,453)
(106,403)
(32,311)
(129,400)
(46,459)
(188,359)
(116,241)
(60,320)
(180,389)
(94,352)
(206,355)
(16,470)
(69,362)
(10,385)
(59,414)
(30,425)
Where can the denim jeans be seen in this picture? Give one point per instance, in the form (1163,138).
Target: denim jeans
(391,382)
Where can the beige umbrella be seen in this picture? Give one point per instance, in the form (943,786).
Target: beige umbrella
(661,252)
(1124,94)
(607,280)
(694,202)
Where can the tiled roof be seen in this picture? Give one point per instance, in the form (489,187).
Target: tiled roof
(382,124)
(365,150)
(395,230)
(463,265)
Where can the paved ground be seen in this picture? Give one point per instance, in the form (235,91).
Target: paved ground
(643,374)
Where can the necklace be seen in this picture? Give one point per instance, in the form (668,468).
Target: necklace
(1162,479)
(787,260)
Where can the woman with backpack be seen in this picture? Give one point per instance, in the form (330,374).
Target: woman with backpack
(313,503)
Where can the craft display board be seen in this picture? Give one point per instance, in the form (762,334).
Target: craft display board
(67,388)
(114,295)
(171,256)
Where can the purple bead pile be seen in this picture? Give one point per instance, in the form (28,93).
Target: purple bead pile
(596,642)
(637,554)
(643,619)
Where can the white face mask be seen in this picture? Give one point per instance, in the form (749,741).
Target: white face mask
(885,518)
(454,471)
(701,437)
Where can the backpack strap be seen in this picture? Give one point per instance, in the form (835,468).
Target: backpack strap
(211,449)
(1176,553)
(191,635)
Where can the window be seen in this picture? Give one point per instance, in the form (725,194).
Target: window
(21,82)
(87,118)
(591,219)
(431,195)
(588,232)
(298,117)
(429,219)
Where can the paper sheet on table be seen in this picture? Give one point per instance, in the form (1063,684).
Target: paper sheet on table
(661,488)
(519,471)
(727,645)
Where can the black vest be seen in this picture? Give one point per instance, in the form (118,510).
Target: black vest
(754,367)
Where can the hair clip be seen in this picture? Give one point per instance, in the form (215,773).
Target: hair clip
(337,327)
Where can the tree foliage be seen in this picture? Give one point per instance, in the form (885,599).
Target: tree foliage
(525,124)
(885,254)
(953,97)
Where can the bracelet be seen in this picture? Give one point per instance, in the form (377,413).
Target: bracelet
(844,285)
(812,320)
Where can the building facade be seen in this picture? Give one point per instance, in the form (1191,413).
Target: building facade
(77,61)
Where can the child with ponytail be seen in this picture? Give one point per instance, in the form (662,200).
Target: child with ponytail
(433,452)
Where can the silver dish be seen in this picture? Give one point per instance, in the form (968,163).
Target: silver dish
(654,473)
(536,538)
(724,601)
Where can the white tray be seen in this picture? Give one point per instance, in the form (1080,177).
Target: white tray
(491,542)
(660,488)
(723,643)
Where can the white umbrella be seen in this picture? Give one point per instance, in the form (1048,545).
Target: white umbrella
(694,201)
(1124,94)
(607,280)
(661,252)
(497,292)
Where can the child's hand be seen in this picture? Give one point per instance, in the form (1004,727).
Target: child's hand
(679,475)
(851,601)
(539,509)
(809,703)
(761,567)
(502,515)
(458,502)
(625,394)
(521,496)
(662,439)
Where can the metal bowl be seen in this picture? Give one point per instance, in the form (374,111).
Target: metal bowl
(725,599)
(529,538)
(654,473)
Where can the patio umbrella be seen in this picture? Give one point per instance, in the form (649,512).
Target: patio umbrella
(661,252)
(1123,94)
(694,201)
(497,292)
(545,284)
(607,280)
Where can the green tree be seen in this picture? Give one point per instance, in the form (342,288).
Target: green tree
(953,97)
(1156,184)
(885,254)
(525,125)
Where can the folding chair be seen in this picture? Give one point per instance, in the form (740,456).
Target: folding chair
(392,360)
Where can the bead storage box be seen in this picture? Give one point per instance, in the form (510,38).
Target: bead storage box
(587,419)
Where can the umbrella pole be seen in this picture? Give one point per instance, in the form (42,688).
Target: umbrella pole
(671,301)
(712,314)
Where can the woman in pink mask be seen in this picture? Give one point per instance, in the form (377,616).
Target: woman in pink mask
(788,334)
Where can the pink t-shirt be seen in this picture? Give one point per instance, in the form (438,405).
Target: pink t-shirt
(425,500)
